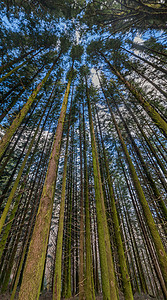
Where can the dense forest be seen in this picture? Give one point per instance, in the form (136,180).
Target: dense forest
(83,156)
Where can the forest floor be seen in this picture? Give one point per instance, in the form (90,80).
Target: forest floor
(48,296)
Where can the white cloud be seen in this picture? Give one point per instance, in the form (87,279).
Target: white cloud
(138,39)
(77,36)
(94,77)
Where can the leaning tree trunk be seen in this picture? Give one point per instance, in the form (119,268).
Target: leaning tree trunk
(17,201)
(146,210)
(146,61)
(15,60)
(149,80)
(12,193)
(145,168)
(145,48)
(10,153)
(17,68)
(14,100)
(33,272)
(154,115)
(19,118)
(152,149)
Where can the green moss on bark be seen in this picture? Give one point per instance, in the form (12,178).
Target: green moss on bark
(122,260)
(19,118)
(146,210)
(106,262)
(89,284)
(154,115)
(33,272)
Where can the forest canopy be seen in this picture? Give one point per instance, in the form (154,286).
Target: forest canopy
(83,157)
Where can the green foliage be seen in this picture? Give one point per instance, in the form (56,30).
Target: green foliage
(76,52)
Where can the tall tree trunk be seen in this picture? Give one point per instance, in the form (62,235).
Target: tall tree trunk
(10,198)
(122,260)
(146,210)
(58,255)
(148,174)
(152,149)
(17,201)
(10,153)
(89,284)
(69,222)
(24,250)
(33,272)
(107,268)
(146,234)
(81,239)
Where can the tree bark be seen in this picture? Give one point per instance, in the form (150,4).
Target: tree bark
(33,272)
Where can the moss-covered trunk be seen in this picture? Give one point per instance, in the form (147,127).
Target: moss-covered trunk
(154,115)
(16,68)
(81,238)
(37,193)
(69,254)
(122,260)
(12,193)
(106,262)
(11,150)
(17,201)
(146,237)
(19,118)
(152,149)
(33,272)
(14,188)
(157,194)
(89,284)
(14,61)
(146,210)
(58,255)
(15,99)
